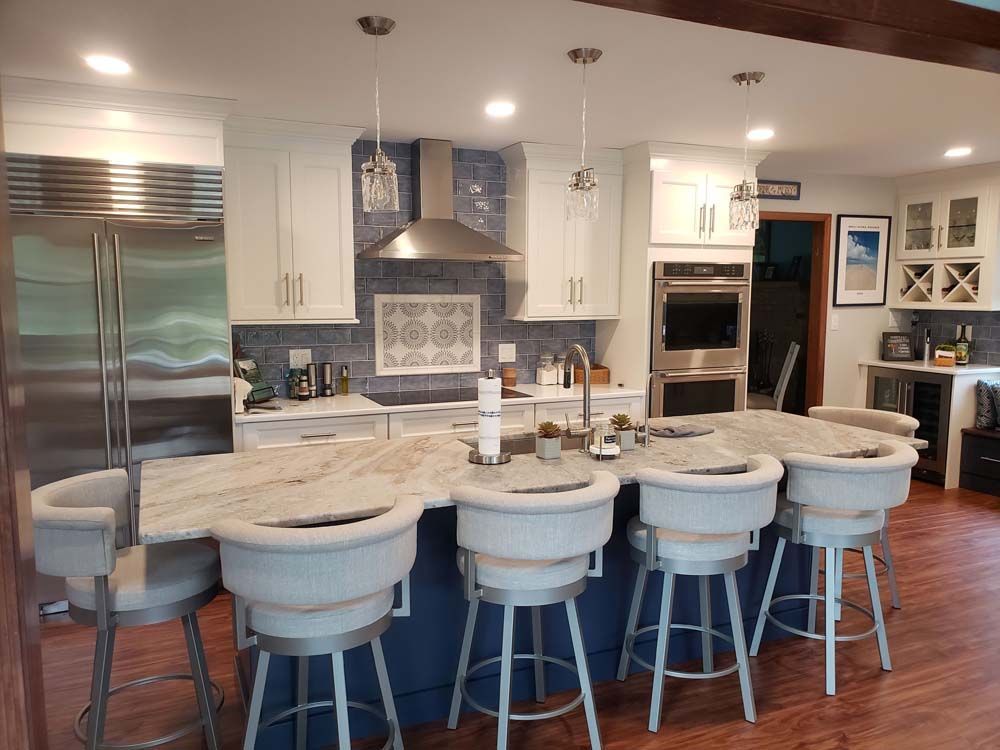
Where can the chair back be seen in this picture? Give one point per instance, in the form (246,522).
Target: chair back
(852,483)
(711,503)
(322,565)
(79,523)
(871,419)
(537,526)
(786,373)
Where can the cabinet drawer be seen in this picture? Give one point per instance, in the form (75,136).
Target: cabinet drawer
(314,431)
(981,456)
(600,410)
(461,421)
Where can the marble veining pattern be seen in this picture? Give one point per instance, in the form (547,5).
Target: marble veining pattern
(182,497)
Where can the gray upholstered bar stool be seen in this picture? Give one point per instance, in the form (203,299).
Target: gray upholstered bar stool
(697,525)
(892,423)
(530,550)
(318,591)
(837,503)
(76,522)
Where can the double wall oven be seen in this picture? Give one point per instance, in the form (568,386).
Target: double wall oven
(700,337)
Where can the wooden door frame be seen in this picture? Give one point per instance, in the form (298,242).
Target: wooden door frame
(819,296)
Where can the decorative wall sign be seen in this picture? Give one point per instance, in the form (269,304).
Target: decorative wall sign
(417,334)
(862,260)
(779,190)
(897,346)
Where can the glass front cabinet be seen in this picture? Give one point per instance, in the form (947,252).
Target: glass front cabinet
(946,224)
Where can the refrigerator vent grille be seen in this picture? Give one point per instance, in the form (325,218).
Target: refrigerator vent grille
(62,186)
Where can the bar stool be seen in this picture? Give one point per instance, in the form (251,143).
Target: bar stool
(318,591)
(530,550)
(892,423)
(837,503)
(76,522)
(698,525)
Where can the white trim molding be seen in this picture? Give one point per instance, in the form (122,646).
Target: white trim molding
(653,150)
(267,132)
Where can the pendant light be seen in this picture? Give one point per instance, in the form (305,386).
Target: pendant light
(582,192)
(744,205)
(379,185)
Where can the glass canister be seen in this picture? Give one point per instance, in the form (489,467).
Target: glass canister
(546,373)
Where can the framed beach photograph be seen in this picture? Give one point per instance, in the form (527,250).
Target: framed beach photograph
(862,260)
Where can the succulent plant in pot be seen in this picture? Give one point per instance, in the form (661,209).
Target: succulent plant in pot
(626,431)
(548,441)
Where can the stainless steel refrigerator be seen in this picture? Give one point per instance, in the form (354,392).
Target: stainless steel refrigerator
(121,298)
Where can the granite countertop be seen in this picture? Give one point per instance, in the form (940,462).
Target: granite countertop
(182,497)
(921,366)
(357,405)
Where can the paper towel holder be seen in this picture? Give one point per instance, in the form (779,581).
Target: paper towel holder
(475,457)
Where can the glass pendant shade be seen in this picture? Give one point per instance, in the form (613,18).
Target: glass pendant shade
(582,195)
(379,184)
(744,207)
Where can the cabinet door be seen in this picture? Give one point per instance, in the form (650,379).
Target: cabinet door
(462,422)
(322,236)
(258,234)
(886,390)
(286,432)
(962,232)
(918,218)
(677,210)
(598,254)
(601,410)
(551,282)
(721,181)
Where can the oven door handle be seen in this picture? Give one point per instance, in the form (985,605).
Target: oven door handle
(733,374)
(706,283)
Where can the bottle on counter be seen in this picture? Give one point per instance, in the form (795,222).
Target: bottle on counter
(962,347)
(344,380)
(293,382)
(303,389)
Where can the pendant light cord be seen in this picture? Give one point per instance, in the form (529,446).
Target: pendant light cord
(746,129)
(378,111)
(583,146)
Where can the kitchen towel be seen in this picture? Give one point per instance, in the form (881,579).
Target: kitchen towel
(489,416)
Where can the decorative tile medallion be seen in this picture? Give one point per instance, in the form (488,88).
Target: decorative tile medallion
(426,333)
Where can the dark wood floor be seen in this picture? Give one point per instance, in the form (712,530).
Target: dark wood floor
(944,691)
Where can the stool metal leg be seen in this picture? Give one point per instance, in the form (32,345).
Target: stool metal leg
(705,602)
(386,689)
(301,698)
(202,685)
(506,667)
(537,647)
(583,670)
(340,701)
(256,700)
(890,568)
(662,641)
(829,613)
(463,663)
(740,645)
(840,582)
(99,687)
(883,640)
(813,590)
(633,619)
(772,578)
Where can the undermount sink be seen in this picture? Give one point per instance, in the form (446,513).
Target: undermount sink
(524,443)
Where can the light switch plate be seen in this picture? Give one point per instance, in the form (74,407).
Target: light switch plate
(834,322)
(299,357)
(507,352)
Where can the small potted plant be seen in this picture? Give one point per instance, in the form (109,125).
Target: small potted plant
(548,441)
(626,431)
(944,355)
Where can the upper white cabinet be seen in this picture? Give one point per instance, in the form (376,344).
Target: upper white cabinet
(571,268)
(289,221)
(950,223)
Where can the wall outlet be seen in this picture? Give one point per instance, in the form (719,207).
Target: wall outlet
(507,352)
(299,357)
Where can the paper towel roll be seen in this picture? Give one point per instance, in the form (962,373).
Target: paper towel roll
(489,416)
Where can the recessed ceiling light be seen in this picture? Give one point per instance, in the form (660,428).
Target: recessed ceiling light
(500,109)
(114,66)
(760,134)
(957,151)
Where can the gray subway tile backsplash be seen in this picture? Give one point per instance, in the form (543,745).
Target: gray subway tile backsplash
(479,179)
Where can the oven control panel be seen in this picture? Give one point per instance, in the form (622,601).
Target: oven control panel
(702,270)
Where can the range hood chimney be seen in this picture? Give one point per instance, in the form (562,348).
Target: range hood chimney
(434,234)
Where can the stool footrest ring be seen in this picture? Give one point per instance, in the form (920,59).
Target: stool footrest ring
(80,726)
(630,647)
(535,716)
(817,636)
(391,728)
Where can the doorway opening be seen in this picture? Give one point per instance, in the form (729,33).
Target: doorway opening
(788,308)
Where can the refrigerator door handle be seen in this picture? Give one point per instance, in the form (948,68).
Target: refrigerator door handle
(128,428)
(95,240)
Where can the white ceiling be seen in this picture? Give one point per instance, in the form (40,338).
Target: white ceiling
(834,110)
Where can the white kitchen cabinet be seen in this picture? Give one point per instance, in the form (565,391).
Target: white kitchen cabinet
(721,181)
(289,432)
(917,226)
(947,224)
(571,268)
(601,410)
(289,222)
(461,422)
(690,204)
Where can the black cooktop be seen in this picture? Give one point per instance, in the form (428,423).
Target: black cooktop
(437,396)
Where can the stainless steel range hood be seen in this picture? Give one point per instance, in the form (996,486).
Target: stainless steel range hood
(434,234)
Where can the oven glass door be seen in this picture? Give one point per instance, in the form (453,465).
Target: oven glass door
(700,325)
(680,395)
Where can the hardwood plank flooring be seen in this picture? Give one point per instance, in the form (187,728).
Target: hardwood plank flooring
(944,691)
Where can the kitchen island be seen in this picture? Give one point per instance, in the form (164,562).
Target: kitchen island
(181,499)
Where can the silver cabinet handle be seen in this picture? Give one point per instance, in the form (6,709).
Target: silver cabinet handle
(456,425)
(288,290)
(940,229)
(104,357)
(711,221)
(701,219)
(991,460)
(302,292)
(123,354)
(580,301)
(308,435)
(572,287)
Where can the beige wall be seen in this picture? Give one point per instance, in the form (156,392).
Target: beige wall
(859,329)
